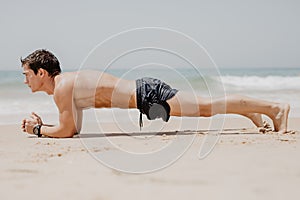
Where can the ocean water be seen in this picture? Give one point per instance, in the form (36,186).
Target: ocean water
(272,84)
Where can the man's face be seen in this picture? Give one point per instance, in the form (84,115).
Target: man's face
(32,80)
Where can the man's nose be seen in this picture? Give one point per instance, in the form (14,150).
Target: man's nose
(25,81)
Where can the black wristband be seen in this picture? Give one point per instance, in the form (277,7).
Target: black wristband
(37,130)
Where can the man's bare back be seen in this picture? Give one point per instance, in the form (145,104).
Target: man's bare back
(96,89)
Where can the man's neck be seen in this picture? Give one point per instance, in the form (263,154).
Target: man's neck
(49,85)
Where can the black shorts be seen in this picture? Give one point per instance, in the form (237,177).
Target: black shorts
(151,97)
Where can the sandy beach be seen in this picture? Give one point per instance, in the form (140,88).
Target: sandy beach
(245,164)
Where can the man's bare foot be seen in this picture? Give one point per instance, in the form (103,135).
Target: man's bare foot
(281,118)
(256,118)
(266,128)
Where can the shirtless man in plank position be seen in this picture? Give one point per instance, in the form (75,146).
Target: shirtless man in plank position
(75,91)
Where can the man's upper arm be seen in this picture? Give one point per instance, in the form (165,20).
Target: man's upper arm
(67,112)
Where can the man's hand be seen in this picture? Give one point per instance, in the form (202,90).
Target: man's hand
(28,124)
(37,118)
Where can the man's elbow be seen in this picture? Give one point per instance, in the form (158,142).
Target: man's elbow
(68,134)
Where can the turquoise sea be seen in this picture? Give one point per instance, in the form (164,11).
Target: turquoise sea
(273,84)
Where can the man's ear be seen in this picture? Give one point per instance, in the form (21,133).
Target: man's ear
(42,72)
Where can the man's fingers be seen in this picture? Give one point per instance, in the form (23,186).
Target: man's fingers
(35,118)
(25,128)
(38,118)
(34,114)
(28,124)
(23,122)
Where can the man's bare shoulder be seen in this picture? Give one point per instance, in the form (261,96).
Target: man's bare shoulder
(64,82)
(68,79)
(80,82)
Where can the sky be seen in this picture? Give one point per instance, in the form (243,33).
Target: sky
(249,33)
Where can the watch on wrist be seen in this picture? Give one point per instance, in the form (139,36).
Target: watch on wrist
(37,130)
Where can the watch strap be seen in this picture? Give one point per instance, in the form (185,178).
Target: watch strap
(37,130)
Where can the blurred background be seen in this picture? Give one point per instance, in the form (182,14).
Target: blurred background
(255,44)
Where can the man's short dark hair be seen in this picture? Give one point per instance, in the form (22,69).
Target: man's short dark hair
(44,59)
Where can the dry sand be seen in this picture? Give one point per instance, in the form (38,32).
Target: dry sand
(243,165)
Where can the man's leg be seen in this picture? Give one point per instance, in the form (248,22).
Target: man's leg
(256,118)
(187,104)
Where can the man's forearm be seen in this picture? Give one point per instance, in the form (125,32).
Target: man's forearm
(56,131)
(49,125)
